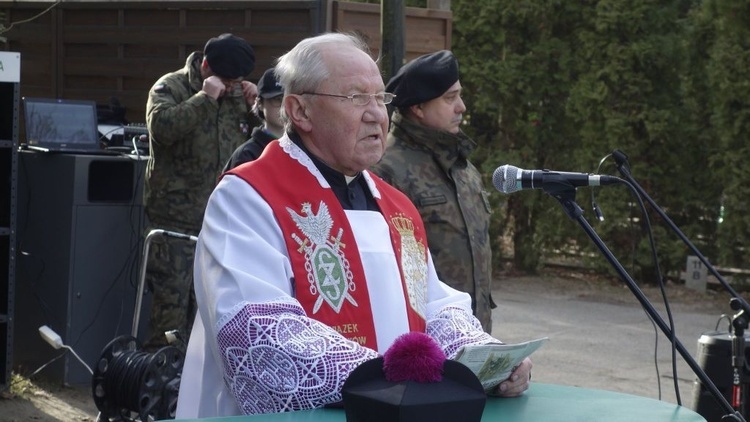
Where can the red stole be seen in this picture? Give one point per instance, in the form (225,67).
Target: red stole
(329,278)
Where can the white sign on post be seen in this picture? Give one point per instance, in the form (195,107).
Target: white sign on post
(10,66)
(695,274)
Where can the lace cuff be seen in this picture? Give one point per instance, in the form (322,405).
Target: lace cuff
(276,359)
(454,327)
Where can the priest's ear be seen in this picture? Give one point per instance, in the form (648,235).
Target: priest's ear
(298,110)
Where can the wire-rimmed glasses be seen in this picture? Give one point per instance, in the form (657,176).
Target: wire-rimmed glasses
(361,99)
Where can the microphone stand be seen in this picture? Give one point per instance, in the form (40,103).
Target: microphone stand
(565,194)
(739,320)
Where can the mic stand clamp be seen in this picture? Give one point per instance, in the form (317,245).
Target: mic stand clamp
(566,196)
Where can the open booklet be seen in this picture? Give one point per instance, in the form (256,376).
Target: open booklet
(493,363)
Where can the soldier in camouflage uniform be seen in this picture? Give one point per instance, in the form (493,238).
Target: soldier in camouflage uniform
(427,158)
(196,117)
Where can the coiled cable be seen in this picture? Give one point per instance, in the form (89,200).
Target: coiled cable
(129,384)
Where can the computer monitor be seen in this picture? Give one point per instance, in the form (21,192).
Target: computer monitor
(61,125)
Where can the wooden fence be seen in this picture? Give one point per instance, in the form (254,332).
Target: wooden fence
(99,50)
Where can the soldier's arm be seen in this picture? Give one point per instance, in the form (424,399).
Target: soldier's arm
(170,120)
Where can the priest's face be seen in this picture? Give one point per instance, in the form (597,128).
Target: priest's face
(347,134)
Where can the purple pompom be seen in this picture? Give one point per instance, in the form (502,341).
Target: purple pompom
(414,356)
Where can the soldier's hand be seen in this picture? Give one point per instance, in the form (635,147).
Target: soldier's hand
(214,87)
(250,92)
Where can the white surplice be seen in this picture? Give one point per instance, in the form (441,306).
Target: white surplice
(253,349)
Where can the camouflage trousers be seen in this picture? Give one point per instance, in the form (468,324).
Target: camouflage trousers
(169,275)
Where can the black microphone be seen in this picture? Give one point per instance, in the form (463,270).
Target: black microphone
(509,179)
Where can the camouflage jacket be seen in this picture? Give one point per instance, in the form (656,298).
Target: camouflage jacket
(431,167)
(192,137)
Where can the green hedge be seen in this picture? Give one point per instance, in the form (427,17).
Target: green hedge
(560,85)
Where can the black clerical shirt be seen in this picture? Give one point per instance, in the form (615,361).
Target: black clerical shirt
(354,195)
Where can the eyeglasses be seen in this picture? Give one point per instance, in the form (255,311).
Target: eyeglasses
(361,99)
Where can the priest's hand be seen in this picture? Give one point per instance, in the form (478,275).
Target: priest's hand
(517,382)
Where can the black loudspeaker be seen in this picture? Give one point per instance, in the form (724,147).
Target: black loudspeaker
(715,358)
(80,230)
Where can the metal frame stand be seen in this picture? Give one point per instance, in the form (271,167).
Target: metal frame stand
(142,281)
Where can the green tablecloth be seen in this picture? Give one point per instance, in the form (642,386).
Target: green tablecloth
(542,402)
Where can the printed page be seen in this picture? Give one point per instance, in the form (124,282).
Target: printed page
(493,363)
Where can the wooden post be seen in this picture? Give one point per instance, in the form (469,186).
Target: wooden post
(393,38)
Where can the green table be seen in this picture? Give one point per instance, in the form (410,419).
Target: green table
(542,402)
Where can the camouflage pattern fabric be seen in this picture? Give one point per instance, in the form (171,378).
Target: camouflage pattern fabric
(170,276)
(191,138)
(431,167)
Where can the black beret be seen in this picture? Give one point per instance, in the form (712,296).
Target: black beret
(229,56)
(423,79)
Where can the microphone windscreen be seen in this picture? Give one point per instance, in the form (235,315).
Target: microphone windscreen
(504,179)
